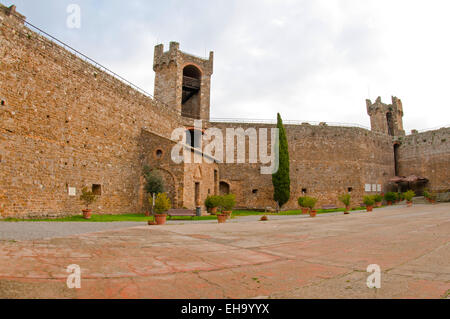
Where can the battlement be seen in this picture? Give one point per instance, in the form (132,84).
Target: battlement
(378,106)
(10,12)
(386,118)
(174,56)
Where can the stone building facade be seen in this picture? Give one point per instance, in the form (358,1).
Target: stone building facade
(66,124)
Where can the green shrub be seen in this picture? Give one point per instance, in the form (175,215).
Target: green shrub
(400,197)
(309,202)
(300,202)
(227,202)
(87,196)
(427,194)
(409,195)
(369,201)
(281,179)
(378,198)
(153,181)
(345,199)
(212,201)
(162,203)
(390,197)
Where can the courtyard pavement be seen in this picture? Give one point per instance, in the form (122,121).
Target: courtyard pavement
(289,257)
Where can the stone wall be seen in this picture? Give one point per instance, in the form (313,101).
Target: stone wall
(324,160)
(427,155)
(65,123)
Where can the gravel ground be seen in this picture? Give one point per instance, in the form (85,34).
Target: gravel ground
(43,230)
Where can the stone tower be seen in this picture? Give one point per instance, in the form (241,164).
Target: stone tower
(183,81)
(386,118)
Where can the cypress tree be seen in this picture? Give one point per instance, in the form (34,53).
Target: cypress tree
(281,179)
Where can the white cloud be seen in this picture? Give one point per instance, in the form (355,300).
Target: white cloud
(308,59)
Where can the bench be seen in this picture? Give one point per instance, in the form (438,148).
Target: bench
(181,212)
(326,207)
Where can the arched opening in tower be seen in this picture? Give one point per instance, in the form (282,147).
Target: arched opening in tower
(390,123)
(191,92)
(396,160)
(224,188)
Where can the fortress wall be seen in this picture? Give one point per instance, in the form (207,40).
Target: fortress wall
(428,155)
(324,160)
(63,123)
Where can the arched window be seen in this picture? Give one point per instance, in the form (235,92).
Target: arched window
(224,188)
(193,138)
(390,123)
(191,92)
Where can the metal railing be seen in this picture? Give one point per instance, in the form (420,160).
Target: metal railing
(84,57)
(287,122)
(432,129)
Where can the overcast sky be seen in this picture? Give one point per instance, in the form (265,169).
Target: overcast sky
(315,60)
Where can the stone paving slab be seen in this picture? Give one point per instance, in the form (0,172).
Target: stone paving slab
(290,257)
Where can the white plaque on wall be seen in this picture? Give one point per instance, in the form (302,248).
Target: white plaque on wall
(72,191)
(368,187)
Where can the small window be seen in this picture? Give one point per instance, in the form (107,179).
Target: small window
(255,191)
(304,190)
(159,154)
(350,189)
(97,189)
(3,103)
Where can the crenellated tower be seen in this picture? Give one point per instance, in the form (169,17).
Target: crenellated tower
(183,81)
(386,118)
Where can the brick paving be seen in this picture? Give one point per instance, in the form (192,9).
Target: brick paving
(293,257)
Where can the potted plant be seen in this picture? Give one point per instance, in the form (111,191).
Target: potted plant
(227,203)
(222,218)
(305,209)
(409,195)
(162,205)
(346,199)
(212,203)
(390,198)
(369,202)
(400,197)
(378,200)
(88,197)
(431,197)
(310,203)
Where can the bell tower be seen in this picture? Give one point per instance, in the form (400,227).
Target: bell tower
(183,81)
(386,118)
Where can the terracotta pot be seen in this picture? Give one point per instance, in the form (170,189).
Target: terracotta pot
(147,213)
(264,219)
(227,213)
(222,218)
(87,213)
(369,209)
(433,201)
(389,203)
(160,219)
(151,223)
(409,204)
(305,211)
(213,211)
(380,204)
(313,213)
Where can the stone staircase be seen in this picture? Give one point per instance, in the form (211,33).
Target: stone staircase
(420,200)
